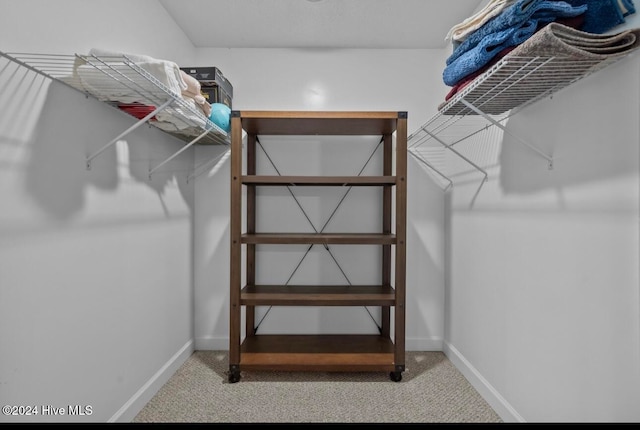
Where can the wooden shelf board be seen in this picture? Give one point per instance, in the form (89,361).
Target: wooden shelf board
(318,122)
(320,238)
(319,180)
(317,295)
(317,353)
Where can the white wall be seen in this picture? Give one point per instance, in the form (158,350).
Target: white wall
(96,266)
(543,296)
(96,289)
(542,300)
(295,79)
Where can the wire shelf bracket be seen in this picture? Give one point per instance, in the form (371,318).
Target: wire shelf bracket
(507,131)
(180,151)
(126,132)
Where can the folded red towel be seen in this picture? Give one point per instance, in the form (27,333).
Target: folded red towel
(137,110)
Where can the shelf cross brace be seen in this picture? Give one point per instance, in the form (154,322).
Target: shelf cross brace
(127,131)
(321,230)
(506,130)
(309,219)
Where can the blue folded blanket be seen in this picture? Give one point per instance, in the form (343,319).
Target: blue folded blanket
(472,56)
(603,15)
(488,48)
(628,7)
(515,16)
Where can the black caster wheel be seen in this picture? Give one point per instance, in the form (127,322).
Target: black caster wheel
(234,377)
(395,376)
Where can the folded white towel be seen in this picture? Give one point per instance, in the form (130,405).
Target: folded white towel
(459,32)
(100,64)
(194,91)
(167,72)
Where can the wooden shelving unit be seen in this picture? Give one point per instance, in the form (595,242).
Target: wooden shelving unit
(318,352)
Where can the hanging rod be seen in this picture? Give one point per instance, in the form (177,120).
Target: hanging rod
(449,147)
(426,163)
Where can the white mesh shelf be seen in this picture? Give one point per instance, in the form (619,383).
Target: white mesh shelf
(510,85)
(112,75)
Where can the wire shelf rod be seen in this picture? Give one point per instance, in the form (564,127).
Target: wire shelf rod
(127,131)
(506,130)
(184,148)
(426,163)
(480,169)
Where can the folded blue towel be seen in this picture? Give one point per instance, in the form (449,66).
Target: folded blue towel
(474,59)
(513,17)
(630,8)
(471,58)
(603,15)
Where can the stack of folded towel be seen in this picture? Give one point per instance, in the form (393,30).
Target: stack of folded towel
(193,91)
(501,26)
(165,72)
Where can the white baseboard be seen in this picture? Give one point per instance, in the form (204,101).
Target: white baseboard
(482,386)
(135,404)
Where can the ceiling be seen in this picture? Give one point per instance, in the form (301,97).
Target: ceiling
(319,23)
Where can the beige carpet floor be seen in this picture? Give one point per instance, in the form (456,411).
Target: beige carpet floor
(431,390)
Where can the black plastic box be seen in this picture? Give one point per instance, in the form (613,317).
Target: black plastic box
(215,87)
(215,94)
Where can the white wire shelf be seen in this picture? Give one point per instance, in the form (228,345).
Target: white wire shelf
(509,86)
(120,82)
(515,82)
